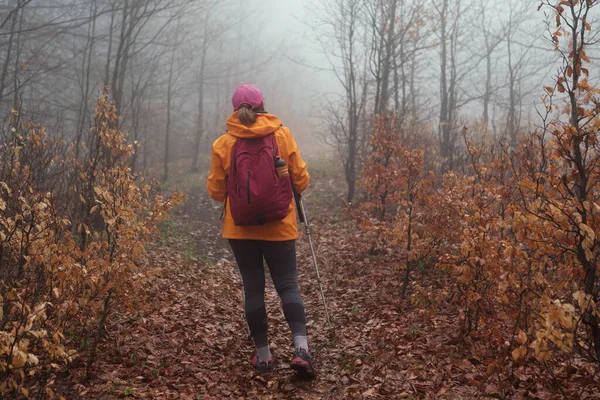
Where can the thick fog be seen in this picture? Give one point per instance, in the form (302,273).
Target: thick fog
(325,67)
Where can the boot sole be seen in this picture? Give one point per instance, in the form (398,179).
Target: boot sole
(303,369)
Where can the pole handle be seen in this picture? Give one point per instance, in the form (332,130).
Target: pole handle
(298,201)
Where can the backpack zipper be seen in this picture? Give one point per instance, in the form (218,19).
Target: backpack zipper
(248,186)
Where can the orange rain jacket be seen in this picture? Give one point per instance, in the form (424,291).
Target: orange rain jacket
(286,229)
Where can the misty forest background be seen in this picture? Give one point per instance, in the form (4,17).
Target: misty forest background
(455,161)
(171,67)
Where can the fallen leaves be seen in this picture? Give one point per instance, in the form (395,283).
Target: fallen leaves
(188,339)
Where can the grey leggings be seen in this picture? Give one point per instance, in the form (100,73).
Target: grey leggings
(281,260)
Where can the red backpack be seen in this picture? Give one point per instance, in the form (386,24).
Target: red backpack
(256,193)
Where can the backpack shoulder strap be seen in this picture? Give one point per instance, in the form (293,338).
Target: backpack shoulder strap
(274,142)
(232,156)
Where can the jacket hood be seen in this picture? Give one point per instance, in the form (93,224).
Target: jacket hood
(265,125)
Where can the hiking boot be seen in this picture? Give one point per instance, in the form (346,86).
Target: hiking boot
(263,367)
(302,364)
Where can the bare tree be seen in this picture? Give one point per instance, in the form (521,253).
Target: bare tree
(456,64)
(170,84)
(447,84)
(13,30)
(343,49)
(518,61)
(210,35)
(492,39)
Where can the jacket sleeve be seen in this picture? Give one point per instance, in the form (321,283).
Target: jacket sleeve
(217,178)
(297,166)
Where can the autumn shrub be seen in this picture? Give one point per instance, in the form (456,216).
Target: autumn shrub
(72,240)
(513,274)
(400,188)
(529,249)
(515,231)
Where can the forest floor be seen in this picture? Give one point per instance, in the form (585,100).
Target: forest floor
(187,338)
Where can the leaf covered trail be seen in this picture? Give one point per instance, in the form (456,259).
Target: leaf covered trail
(188,338)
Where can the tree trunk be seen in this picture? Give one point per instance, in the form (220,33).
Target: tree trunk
(488,90)
(396,88)
(408,249)
(13,25)
(168,127)
(582,178)
(413,91)
(119,56)
(110,43)
(99,331)
(200,121)
(136,109)
(389,56)
(511,119)
(444,128)
(86,74)
(17,63)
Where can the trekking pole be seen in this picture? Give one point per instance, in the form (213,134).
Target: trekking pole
(304,220)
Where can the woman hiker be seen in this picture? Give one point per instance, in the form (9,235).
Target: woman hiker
(252,169)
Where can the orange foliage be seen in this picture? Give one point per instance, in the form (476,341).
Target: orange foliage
(400,191)
(517,234)
(70,246)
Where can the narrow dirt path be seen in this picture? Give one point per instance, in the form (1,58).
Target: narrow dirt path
(187,339)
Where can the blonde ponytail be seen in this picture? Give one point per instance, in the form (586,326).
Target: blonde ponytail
(246,115)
